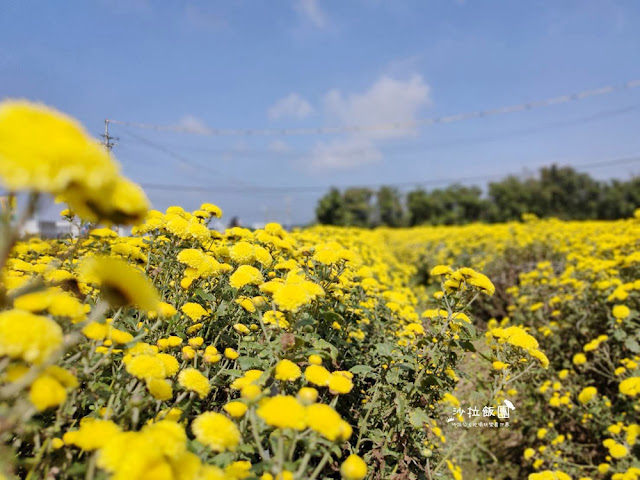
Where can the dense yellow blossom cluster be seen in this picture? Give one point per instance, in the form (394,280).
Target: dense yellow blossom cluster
(185,353)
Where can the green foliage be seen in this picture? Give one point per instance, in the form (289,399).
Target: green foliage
(556,191)
(389,206)
(357,204)
(330,209)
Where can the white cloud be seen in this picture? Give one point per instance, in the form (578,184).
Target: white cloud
(193,123)
(386,101)
(310,10)
(293,105)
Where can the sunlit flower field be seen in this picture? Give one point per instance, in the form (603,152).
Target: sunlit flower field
(504,351)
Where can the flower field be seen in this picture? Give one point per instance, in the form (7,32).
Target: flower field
(500,351)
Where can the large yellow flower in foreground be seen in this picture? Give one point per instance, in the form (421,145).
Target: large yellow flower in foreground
(119,202)
(46,392)
(157,451)
(92,434)
(120,283)
(54,300)
(44,150)
(29,337)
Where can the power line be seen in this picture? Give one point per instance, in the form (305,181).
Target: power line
(322,188)
(422,147)
(573,97)
(182,159)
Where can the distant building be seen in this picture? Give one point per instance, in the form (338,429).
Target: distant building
(49,228)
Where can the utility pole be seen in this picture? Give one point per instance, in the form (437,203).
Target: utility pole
(107,142)
(107,138)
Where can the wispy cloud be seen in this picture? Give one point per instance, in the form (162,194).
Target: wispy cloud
(387,100)
(293,105)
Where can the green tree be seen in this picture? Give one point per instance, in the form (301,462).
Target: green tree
(389,207)
(555,192)
(565,193)
(619,199)
(510,198)
(331,208)
(357,205)
(419,206)
(453,205)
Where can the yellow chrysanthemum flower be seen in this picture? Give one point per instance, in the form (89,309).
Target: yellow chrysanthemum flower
(46,392)
(120,283)
(326,421)
(191,379)
(246,275)
(353,468)
(283,411)
(216,431)
(318,375)
(235,409)
(93,434)
(32,338)
(587,394)
(287,371)
(630,386)
(194,311)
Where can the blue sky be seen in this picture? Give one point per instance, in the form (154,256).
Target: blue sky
(323,63)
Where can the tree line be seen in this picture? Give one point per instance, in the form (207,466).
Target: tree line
(554,191)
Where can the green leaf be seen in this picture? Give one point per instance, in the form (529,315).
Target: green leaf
(417,418)
(222,308)
(223,459)
(361,369)
(384,349)
(401,405)
(333,317)
(619,334)
(632,344)
(393,377)
(469,327)
(304,322)
(204,295)
(321,344)
(406,366)
(467,345)
(246,448)
(245,363)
